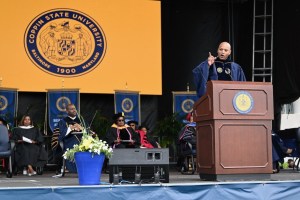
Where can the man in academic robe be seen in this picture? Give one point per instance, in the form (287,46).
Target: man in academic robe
(70,128)
(217,68)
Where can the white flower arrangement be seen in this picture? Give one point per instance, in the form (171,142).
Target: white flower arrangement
(89,144)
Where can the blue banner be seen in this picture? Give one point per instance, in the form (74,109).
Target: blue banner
(8,105)
(183,103)
(128,102)
(58,99)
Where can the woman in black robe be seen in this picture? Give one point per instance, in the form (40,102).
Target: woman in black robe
(120,135)
(28,145)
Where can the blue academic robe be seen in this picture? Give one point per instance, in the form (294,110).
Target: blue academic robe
(70,139)
(203,73)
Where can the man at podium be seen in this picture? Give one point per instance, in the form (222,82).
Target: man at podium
(217,68)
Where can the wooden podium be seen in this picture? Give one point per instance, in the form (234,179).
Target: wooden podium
(234,122)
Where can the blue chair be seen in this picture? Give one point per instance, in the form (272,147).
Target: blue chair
(5,149)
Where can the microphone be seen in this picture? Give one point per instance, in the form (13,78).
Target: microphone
(89,128)
(228,72)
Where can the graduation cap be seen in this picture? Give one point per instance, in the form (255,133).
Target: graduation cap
(117,115)
(132,122)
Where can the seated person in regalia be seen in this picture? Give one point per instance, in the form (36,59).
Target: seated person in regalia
(70,128)
(120,135)
(29,151)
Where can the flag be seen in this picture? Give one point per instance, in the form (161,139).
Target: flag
(128,102)
(57,100)
(183,102)
(8,105)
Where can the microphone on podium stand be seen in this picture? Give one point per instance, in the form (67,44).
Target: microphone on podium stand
(228,72)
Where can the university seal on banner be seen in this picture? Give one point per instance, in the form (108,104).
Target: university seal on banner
(65,42)
(243,102)
(187,105)
(61,103)
(3,102)
(127,105)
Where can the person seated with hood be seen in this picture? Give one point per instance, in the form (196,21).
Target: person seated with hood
(120,135)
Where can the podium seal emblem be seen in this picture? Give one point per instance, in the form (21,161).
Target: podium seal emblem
(243,102)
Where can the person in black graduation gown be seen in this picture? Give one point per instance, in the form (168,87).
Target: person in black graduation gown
(28,145)
(68,126)
(120,135)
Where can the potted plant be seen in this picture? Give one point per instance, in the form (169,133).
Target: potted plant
(89,156)
(168,129)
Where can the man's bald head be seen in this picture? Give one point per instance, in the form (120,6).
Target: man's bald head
(224,50)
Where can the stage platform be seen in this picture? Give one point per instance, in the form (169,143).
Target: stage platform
(285,184)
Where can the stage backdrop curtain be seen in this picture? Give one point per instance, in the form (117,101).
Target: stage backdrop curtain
(128,102)
(8,104)
(183,102)
(57,100)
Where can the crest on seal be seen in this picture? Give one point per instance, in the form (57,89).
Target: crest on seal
(187,105)
(62,102)
(65,42)
(243,102)
(127,105)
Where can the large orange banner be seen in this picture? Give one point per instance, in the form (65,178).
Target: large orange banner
(97,46)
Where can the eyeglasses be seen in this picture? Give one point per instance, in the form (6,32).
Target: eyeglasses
(132,125)
(120,120)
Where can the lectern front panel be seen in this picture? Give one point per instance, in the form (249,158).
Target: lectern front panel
(243,146)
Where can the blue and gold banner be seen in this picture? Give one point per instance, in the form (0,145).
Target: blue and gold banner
(57,100)
(183,103)
(128,102)
(8,105)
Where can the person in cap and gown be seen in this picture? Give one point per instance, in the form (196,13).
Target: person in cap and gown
(120,135)
(217,68)
(133,124)
(29,152)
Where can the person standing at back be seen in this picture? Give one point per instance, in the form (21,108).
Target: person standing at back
(217,68)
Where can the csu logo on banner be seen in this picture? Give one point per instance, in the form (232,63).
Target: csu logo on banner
(127,105)
(65,42)
(3,102)
(187,105)
(61,103)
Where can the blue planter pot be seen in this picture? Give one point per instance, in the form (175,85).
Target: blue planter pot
(89,167)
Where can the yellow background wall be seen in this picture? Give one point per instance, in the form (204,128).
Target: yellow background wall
(133,55)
